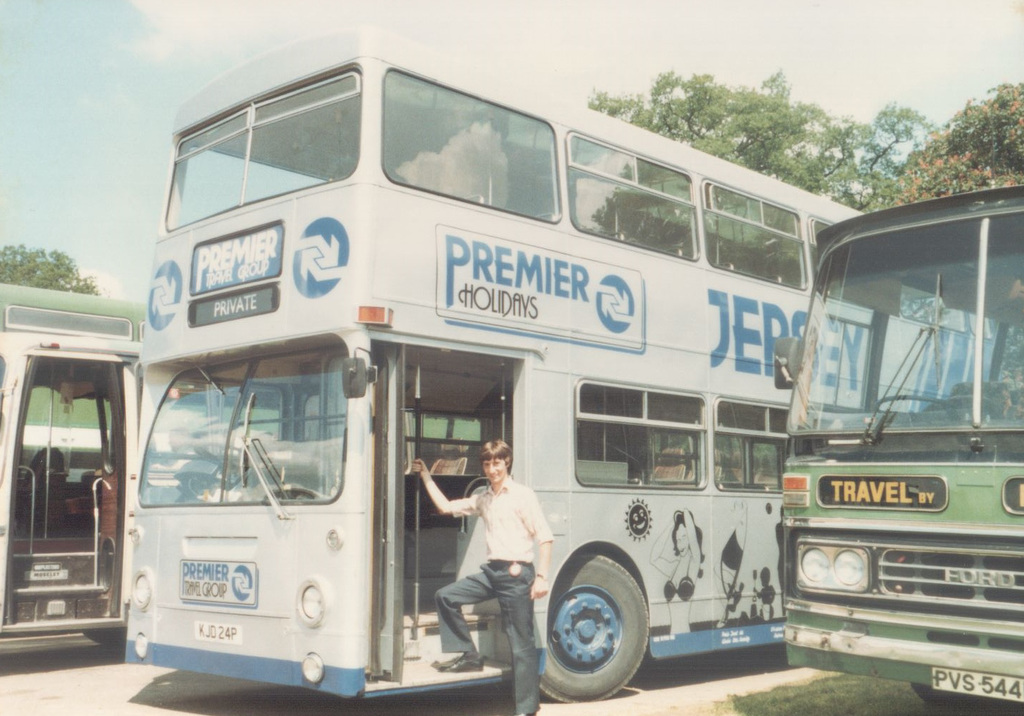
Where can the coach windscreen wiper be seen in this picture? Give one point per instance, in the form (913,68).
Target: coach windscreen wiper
(254,455)
(894,391)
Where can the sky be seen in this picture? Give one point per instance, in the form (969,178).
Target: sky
(89,88)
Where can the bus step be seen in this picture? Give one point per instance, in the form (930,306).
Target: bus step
(424,644)
(422,674)
(428,622)
(65,589)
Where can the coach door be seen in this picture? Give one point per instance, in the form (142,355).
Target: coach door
(65,547)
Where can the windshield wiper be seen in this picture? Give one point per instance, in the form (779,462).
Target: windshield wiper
(210,380)
(894,392)
(255,455)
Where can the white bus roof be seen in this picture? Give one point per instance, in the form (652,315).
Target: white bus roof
(309,59)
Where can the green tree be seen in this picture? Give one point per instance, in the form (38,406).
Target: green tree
(982,147)
(22,266)
(765,130)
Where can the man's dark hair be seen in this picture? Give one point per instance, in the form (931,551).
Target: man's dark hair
(496,450)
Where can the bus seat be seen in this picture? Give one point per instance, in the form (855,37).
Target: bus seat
(38,464)
(672,466)
(449,466)
(670,474)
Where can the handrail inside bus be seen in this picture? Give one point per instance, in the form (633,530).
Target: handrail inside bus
(32,508)
(96,530)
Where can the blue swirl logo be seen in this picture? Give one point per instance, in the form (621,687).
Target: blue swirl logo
(242,583)
(615,304)
(318,263)
(164,296)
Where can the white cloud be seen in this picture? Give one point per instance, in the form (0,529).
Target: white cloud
(108,284)
(198,29)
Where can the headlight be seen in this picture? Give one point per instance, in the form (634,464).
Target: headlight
(142,590)
(312,603)
(833,568)
(313,668)
(814,565)
(850,567)
(141,646)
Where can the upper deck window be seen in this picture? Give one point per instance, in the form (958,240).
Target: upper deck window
(621,196)
(815,225)
(453,144)
(753,237)
(273,147)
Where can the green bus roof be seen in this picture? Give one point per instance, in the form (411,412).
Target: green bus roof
(39,310)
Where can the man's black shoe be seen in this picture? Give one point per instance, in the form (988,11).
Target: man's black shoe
(464,662)
(445,665)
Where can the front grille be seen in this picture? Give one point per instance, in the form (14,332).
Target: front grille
(990,578)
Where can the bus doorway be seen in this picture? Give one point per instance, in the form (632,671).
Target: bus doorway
(452,403)
(65,547)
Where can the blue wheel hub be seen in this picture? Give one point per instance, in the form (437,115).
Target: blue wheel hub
(587,629)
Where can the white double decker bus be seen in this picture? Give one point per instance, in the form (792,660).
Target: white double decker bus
(370,254)
(68,432)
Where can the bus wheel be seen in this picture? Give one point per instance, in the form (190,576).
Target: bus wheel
(597,633)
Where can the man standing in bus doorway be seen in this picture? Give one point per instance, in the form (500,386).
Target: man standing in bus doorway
(513,521)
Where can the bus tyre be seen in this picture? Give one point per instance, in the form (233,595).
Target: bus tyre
(597,633)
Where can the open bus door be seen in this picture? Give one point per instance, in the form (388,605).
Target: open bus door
(64,545)
(441,406)
(386,653)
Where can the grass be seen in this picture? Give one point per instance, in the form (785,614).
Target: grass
(859,696)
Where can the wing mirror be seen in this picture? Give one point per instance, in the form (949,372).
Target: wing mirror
(787,355)
(355,376)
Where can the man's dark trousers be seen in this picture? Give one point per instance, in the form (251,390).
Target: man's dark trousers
(513,594)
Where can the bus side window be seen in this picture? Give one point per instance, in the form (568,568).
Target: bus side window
(753,237)
(624,440)
(768,461)
(622,197)
(729,461)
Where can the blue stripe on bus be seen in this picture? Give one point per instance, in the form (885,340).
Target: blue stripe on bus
(714,639)
(344,682)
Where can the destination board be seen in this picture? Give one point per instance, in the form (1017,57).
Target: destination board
(237,305)
(889,492)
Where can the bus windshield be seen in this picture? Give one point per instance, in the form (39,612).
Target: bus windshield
(230,433)
(281,145)
(893,335)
